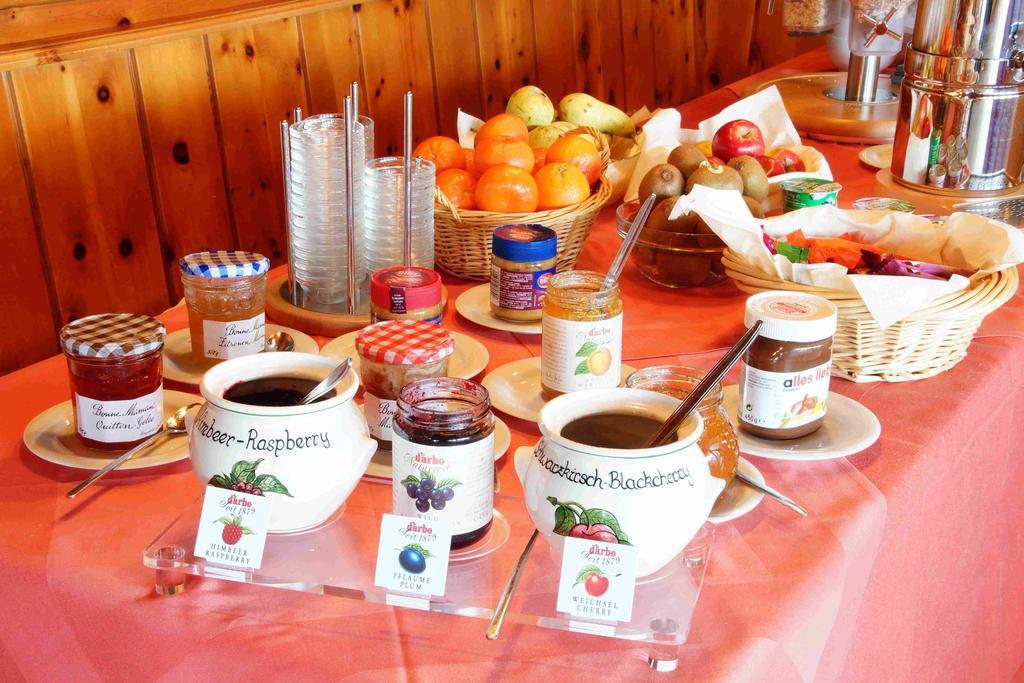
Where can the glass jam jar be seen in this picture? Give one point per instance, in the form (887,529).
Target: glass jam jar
(406,293)
(581,334)
(226,294)
(718,440)
(785,374)
(393,353)
(522,261)
(115,367)
(442,456)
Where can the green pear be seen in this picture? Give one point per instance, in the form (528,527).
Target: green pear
(584,110)
(531,105)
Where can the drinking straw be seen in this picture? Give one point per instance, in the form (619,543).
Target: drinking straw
(350,206)
(407,178)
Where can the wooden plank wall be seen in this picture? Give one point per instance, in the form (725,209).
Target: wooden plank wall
(134,131)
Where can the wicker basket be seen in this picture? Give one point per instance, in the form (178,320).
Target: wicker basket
(462,239)
(928,342)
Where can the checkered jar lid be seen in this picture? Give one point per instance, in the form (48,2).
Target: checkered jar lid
(405,342)
(224,264)
(112,335)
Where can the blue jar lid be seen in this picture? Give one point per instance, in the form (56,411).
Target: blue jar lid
(524,243)
(222,264)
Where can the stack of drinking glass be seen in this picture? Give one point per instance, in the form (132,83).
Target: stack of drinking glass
(384,204)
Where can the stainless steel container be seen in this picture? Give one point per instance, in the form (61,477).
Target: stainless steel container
(964,96)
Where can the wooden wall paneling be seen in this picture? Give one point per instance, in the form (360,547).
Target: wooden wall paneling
(27,308)
(638,55)
(456,57)
(771,44)
(184,151)
(507,62)
(92,186)
(728,27)
(598,33)
(674,58)
(395,60)
(555,48)
(257,74)
(330,48)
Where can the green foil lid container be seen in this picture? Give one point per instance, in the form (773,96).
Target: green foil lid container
(803,192)
(883,204)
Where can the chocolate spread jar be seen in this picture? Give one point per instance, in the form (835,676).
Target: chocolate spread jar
(785,374)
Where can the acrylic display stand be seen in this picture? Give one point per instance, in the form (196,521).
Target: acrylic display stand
(338,558)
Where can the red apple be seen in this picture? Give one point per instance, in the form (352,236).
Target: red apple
(770,166)
(737,138)
(596,584)
(790,160)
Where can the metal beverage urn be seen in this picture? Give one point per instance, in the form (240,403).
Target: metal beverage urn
(960,124)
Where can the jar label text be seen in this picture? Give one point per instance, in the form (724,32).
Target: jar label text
(119,421)
(234,338)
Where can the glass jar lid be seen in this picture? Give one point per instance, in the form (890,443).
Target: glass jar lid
(112,335)
(792,316)
(223,264)
(405,342)
(405,288)
(524,243)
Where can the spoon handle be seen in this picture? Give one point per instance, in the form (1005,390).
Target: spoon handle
(118,461)
(639,221)
(772,493)
(506,597)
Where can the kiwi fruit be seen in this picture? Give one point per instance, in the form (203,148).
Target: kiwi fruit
(755,180)
(755,207)
(687,158)
(706,237)
(716,177)
(659,219)
(663,180)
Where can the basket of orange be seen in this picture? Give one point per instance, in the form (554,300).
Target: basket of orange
(504,180)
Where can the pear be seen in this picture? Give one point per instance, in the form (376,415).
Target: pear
(545,135)
(663,180)
(755,180)
(715,176)
(687,158)
(531,105)
(584,110)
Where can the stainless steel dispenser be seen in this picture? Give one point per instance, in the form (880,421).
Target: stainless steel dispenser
(960,126)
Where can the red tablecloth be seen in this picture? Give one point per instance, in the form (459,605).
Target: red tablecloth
(908,567)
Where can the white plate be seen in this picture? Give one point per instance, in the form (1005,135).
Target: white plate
(515,388)
(179,366)
(849,428)
(879,156)
(738,499)
(475,305)
(51,436)
(380,464)
(468,361)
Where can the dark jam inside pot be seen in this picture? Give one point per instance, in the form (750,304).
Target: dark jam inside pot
(276,392)
(613,430)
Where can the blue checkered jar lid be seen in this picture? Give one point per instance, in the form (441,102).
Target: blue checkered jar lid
(112,335)
(224,264)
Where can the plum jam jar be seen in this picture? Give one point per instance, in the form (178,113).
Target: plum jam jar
(115,367)
(226,294)
(442,456)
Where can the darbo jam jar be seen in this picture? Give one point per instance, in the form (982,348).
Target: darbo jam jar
(522,262)
(406,293)
(225,293)
(392,354)
(443,456)
(115,366)
(582,334)
(785,373)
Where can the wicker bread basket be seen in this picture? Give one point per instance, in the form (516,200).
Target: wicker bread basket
(928,342)
(462,239)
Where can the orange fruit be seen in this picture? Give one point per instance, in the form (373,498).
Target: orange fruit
(506,189)
(560,184)
(502,151)
(443,151)
(578,151)
(539,156)
(502,126)
(470,166)
(458,186)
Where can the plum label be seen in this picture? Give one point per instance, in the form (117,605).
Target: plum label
(581,355)
(232,527)
(412,556)
(597,579)
(781,400)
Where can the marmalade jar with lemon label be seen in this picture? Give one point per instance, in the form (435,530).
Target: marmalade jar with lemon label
(582,334)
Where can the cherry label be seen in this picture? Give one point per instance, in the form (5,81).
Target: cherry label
(233,527)
(598,578)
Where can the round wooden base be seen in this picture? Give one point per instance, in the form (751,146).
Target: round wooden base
(933,200)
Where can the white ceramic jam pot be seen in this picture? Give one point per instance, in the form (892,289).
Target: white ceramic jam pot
(305,459)
(655,499)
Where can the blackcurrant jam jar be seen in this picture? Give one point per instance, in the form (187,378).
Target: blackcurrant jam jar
(442,456)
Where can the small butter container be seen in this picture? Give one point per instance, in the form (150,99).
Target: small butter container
(803,192)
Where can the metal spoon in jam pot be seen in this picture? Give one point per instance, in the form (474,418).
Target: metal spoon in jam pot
(280,341)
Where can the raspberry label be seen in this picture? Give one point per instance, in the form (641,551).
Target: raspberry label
(233,528)
(597,580)
(412,557)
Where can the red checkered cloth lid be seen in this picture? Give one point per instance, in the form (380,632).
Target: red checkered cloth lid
(405,342)
(112,335)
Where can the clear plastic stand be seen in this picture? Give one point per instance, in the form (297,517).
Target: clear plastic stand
(338,558)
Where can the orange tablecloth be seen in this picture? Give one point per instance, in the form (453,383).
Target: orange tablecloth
(908,567)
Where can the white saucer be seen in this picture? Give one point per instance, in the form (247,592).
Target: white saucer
(179,366)
(738,499)
(849,428)
(51,436)
(879,156)
(515,387)
(475,305)
(468,361)
(380,464)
